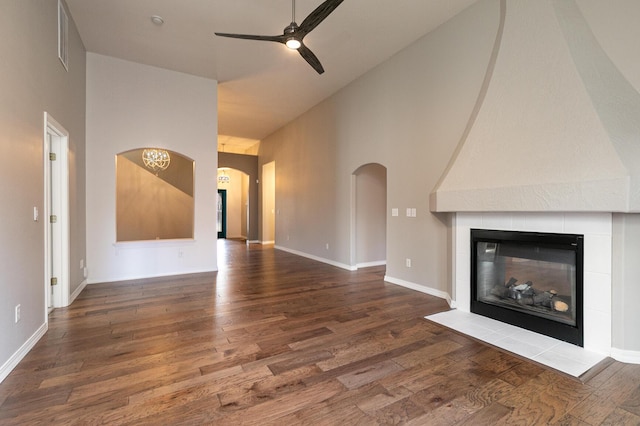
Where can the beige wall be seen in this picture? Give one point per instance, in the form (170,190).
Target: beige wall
(267,197)
(408,115)
(32,81)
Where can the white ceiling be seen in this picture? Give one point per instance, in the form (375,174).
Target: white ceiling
(262,85)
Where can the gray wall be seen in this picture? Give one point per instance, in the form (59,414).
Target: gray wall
(33,81)
(625,277)
(408,115)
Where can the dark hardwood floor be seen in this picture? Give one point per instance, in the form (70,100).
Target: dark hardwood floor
(277,339)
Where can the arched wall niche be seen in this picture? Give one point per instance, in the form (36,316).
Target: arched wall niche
(370,215)
(154,204)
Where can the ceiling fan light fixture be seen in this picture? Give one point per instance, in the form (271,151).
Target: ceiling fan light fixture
(293,43)
(294,34)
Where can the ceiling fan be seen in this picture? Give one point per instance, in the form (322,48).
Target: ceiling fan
(293,34)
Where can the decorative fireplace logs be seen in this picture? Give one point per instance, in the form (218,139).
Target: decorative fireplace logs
(525,294)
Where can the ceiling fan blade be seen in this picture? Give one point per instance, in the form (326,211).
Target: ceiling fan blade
(317,16)
(312,59)
(278,38)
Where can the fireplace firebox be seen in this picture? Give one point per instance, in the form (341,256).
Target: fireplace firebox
(529,279)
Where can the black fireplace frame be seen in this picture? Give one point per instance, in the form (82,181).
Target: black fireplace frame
(574,242)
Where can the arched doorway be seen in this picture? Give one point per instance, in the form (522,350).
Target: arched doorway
(369,218)
(235,214)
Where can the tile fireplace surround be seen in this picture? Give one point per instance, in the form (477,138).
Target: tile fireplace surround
(597,231)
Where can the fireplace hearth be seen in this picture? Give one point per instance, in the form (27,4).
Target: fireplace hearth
(529,279)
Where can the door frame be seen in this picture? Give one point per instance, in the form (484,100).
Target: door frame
(223,196)
(56,197)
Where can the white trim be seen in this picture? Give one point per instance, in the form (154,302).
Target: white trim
(143,244)
(13,361)
(77,292)
(61,292)
(252,242)
(423,289)
(622,355)
(267,242)
(317,258)
(370,264)
(98,280)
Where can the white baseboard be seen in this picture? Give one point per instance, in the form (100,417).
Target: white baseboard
(413,286)
(77,292)
(253,241)
(11,363)
(267,242)
(317,258)
(370,264)
(140,277)
(630,357)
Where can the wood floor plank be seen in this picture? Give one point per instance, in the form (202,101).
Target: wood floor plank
(368,374)
(632,404)
(613,392)
(273,338)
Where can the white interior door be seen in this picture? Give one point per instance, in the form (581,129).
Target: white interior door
(56,214)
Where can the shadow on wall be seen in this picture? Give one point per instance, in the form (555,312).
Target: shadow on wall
(154,203)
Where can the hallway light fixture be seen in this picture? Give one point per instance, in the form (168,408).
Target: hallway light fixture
(223,178)
(156,159)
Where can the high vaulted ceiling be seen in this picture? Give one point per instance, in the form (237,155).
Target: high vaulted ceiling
(262,85)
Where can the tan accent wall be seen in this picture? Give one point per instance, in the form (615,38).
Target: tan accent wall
(150,208)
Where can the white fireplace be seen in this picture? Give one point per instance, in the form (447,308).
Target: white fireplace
(597,231)
(552,147)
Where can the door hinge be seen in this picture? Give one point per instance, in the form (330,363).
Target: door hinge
(52,156)
(53,218)
(54,281)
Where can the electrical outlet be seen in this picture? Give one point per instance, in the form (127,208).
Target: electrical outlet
(17,313)
(407,262)
(81,263)
(327,246)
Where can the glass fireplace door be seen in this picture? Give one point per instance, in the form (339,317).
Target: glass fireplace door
(532,280)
